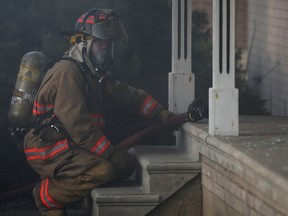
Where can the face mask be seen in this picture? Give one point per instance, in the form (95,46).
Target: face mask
(100,52)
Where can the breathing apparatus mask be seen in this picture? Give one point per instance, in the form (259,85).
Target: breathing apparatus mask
(101,56)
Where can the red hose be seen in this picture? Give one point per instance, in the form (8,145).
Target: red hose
(174,121)
(17,192)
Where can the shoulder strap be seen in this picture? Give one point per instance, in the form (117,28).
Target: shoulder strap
(37,125)
(83,68)
(84,72)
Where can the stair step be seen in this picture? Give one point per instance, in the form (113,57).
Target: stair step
(165,169)
(160,154)
(121,188)
(162,170)
(123,204)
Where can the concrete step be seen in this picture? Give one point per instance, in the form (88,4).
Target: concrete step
(165,169)
(123,204)
(127,198)
(162,170)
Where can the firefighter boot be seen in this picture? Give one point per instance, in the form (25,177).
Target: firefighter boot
(43,210)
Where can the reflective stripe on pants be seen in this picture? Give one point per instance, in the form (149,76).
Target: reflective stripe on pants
(76,176)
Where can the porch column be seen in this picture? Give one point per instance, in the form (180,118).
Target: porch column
(223,96)
(181,79)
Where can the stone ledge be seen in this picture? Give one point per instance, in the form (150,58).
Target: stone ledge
(244,161)
(228,150)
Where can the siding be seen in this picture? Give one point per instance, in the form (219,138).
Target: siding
(268,63)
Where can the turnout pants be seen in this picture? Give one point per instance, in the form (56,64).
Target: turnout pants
(76,176)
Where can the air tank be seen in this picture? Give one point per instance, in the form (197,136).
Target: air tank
(28,81)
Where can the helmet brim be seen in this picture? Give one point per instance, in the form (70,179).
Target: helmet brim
(108,30)
(70,32)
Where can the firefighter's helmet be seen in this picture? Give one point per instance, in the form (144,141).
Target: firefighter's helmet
(103,24)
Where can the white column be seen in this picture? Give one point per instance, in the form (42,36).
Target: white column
(223,96)
(181,79)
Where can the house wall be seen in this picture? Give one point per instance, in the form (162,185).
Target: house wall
(268,62)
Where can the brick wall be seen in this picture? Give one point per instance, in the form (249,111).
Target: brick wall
(203,5)
(240,22)
(268,63)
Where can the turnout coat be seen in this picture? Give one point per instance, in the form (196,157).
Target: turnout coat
(78,119)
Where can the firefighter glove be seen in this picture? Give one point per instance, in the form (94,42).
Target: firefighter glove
(197,110)
(164,115)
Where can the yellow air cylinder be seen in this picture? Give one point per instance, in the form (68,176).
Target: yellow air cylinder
(28,81)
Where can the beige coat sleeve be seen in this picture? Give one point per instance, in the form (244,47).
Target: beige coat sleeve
(129,99)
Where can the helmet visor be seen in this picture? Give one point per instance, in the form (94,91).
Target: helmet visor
(109,30)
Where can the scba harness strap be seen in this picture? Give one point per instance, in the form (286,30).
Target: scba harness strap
(38,125)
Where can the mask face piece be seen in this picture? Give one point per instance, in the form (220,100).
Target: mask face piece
(101,54)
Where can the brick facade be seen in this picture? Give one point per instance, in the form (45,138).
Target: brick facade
(241,18)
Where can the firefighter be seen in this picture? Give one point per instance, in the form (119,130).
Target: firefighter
(68,145)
